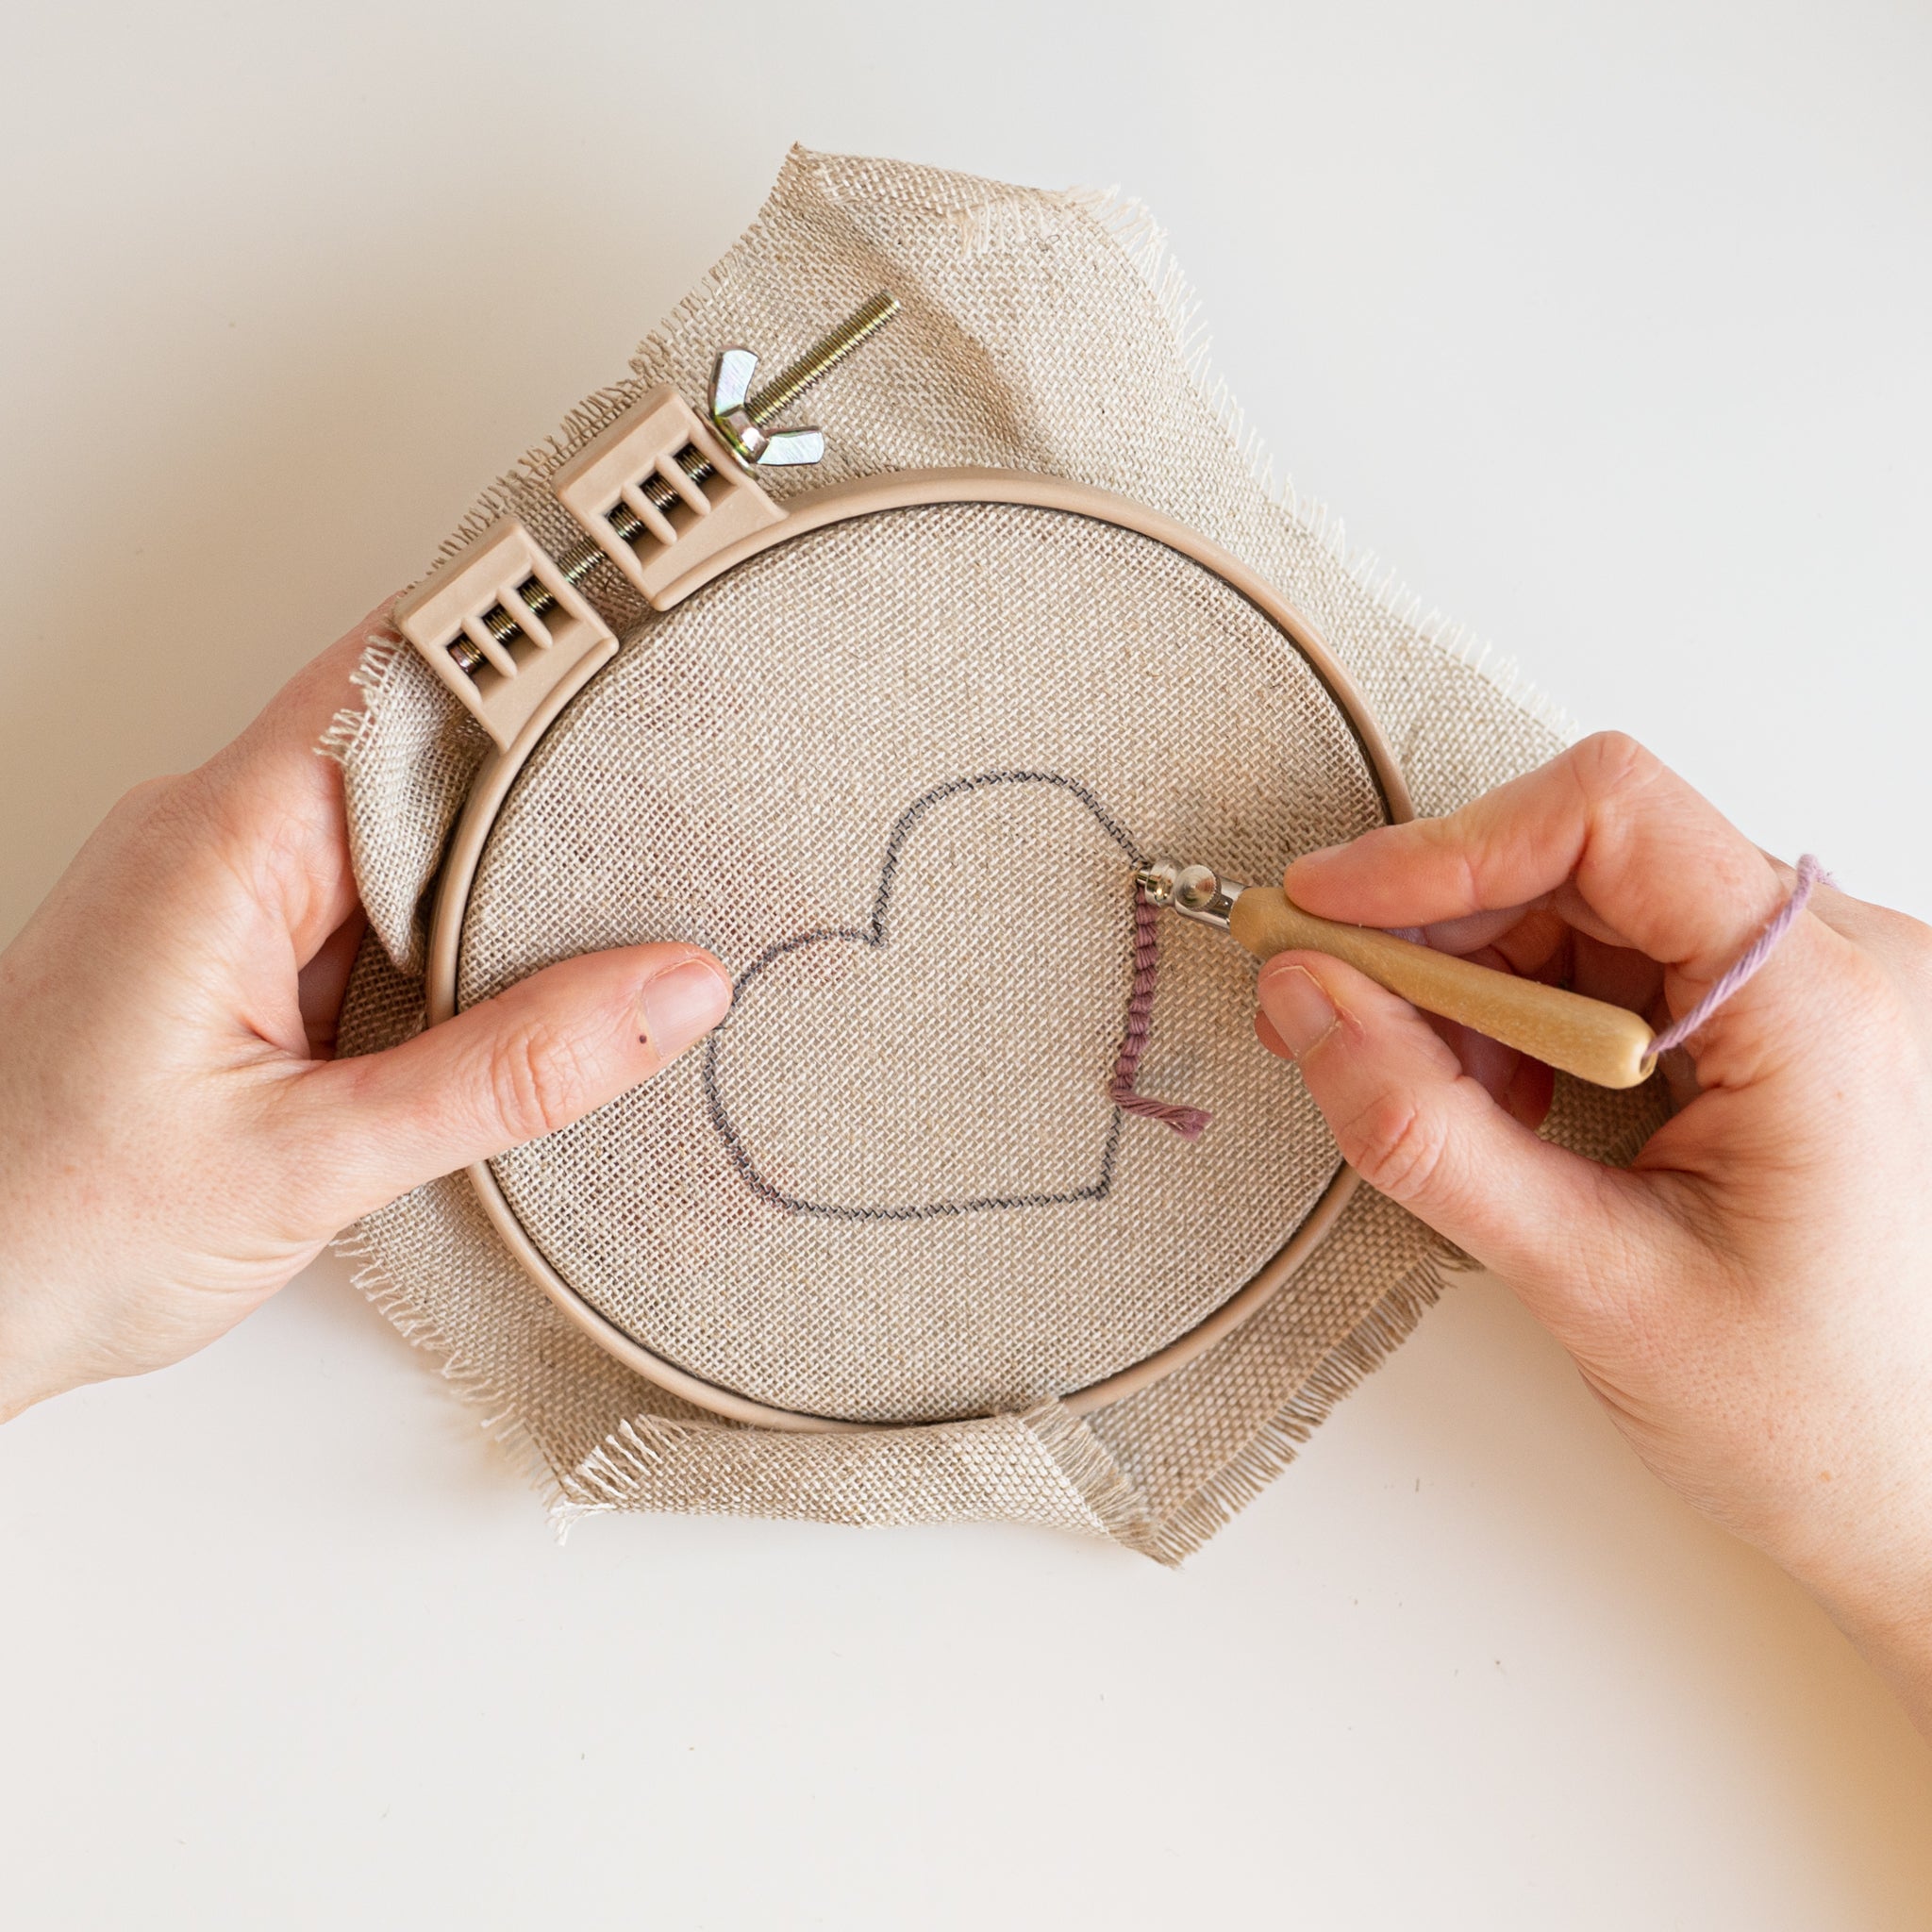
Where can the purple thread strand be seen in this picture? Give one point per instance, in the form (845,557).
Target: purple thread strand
(1760,949)
(1189,1122)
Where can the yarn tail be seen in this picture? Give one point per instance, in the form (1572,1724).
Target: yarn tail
(1811,873)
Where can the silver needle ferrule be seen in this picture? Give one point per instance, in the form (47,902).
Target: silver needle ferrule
(1191,891)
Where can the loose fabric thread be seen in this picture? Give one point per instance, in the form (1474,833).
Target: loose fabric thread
(1189,1122)
(1810,871)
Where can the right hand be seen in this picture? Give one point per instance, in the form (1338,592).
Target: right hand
(1752,1299)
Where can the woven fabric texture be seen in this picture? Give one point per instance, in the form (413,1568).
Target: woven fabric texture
(910,760)
(892,1186)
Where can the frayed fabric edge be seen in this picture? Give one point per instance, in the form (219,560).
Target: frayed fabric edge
(1118,1509)
(381,644)
(603,1482)
(1130,226)
(611,1479)
(1277,1443)
(1075,1451)
(503,1427)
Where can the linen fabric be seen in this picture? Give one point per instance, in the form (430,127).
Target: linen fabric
(896,775)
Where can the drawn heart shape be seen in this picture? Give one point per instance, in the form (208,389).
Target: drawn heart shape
(870,1096)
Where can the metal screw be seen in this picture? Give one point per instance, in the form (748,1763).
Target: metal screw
(740,421)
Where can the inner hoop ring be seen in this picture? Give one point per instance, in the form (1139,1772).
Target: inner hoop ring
(847,503)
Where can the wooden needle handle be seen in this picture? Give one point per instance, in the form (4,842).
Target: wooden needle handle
(1594,1041)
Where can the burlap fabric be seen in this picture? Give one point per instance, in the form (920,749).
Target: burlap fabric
(892,774)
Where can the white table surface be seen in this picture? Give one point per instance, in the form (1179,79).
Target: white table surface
(1612,332)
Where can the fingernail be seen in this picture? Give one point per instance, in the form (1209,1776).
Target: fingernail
(1297,1007)
(682,1004)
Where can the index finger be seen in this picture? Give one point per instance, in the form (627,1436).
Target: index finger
(296,717)
(1648,854)
(279,808)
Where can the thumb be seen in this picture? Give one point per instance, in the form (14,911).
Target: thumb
(536,1057)
(1419,1130)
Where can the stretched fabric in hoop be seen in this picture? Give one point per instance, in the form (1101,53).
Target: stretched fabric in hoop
(1007,291)
(892,1186)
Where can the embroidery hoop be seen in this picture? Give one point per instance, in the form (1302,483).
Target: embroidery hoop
(447,605)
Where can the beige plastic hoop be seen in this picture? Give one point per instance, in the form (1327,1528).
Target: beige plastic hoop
(844,503)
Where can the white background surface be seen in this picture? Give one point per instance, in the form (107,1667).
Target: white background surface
(1608,326)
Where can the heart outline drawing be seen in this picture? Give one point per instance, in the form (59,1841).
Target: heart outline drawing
(876,935)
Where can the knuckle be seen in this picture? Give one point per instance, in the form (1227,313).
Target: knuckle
(1911,944)
(139,800)
(538,1081)
(175,815)
(1863,995)
(1396,1146)
(157,805)
(1611,762)
(1888,939)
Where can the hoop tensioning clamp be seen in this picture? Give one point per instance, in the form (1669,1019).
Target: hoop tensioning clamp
(661,490)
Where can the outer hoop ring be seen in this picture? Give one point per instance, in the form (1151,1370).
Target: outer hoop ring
(845,502)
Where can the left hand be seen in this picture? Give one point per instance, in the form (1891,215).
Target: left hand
(176,1140)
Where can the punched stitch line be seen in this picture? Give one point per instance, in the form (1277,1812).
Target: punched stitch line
(1811,872)
(876,935)
(1189,1122)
